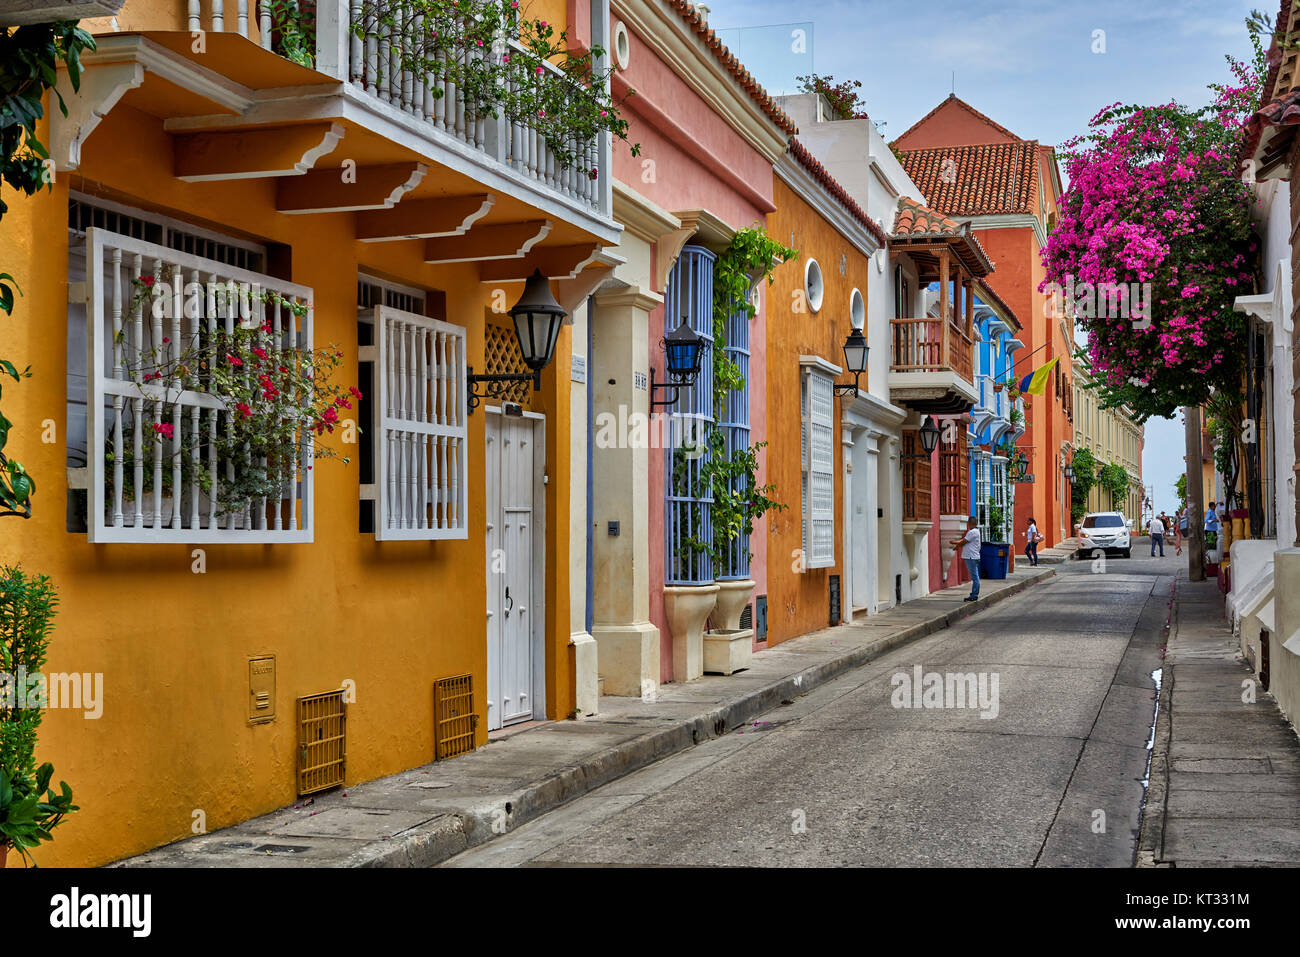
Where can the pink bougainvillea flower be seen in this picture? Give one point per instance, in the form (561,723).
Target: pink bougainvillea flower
(244,410)
(166,430)
(234,360)
(356,393)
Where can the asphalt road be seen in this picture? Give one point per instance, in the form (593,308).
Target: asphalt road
(845,775)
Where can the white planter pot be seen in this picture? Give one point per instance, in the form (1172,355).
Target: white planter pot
(729,650)
(687,608)
(732,598)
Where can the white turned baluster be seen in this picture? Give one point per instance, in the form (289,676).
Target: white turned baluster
(214,309)
(277,339)
(356,68)
(230,412)
(241,18)
(137,406)
(118,371)
(264,23)
(218,17)
(195,23)
(174,443)
(301,459)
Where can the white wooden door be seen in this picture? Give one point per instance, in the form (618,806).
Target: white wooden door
(514,573)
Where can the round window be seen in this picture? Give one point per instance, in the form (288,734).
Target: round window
(857,310)
(813,286)
(622,46)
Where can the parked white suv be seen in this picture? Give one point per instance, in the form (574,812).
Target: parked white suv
(1107,531)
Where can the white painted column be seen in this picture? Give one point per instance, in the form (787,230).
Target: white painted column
(586,664)
(628,641)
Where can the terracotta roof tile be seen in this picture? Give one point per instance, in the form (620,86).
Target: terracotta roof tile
(1275,108)
(976,180)
(828,182)
(915,220)
(732,63)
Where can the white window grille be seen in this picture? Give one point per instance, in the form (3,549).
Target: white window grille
(818,480)
(419,426)
(172,487)
(982,493)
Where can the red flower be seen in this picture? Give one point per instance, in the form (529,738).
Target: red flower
(166,430)
(342,403)
(234,360)
(244,410)
(356,393)
(258,351)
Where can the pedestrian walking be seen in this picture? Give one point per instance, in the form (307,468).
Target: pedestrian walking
(1158,535)
(1032,538)
(1179,519)
(970,554)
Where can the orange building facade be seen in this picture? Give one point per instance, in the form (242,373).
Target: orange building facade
(975,171)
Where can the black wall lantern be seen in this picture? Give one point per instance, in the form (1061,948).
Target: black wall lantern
(929,433)
(683,354)
(1069,472)
(855,360)
(537,317)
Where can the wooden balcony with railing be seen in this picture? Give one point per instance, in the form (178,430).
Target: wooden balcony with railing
(930,345)
(916,479)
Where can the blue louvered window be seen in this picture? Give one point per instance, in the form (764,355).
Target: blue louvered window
(688,524)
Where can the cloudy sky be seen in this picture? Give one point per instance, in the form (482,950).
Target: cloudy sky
(1028,64)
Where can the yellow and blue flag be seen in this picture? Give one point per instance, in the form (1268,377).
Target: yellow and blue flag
(1036,382)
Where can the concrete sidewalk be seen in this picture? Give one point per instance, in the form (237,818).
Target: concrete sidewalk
(424,816)
(1225,770)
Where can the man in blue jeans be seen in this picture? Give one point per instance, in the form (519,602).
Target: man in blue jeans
(970,554)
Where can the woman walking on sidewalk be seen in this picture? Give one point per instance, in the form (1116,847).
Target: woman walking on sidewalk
(1032,538)
(1177,530)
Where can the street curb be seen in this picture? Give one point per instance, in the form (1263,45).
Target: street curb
(442,838)
(1151,836)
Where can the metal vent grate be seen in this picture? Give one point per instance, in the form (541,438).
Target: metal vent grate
(747,617)
(454,718)
(760,618)
(501,355)
(322,741)
(835,599)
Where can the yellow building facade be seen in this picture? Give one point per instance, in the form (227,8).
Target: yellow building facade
(185,161)
(1113,437)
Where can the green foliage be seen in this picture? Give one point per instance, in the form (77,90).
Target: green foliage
(27,821)
(561,92)
(1085,477)
(27,606)
(843,97)
(1180,489)
(997,527)
(752,254)
(29,68)
(295,29)
(1114,479)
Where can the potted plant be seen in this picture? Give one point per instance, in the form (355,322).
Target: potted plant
(995,554)
(27,604)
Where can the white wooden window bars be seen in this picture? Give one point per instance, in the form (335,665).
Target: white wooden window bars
(419,426)
(161,497)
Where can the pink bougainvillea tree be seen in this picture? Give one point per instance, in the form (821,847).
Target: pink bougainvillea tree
(1158,202)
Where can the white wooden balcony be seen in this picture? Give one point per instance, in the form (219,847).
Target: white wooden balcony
(353,96)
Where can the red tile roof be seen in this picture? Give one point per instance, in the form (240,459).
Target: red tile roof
(917,221)
(976,180)
(730,61)
(1275,109)
(828,182)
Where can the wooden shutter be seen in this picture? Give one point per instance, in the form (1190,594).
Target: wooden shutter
(420,432)
(819,497)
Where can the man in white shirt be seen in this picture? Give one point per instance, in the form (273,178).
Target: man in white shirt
(970,554)
(1157,536)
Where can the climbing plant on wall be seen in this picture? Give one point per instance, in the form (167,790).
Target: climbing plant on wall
(30,57)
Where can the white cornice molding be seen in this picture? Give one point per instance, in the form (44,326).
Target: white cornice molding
(807,188)
(640,217)
(664,31)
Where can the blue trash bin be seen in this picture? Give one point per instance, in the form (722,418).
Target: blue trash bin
(994,559)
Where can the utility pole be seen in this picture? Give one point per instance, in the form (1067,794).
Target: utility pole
(1195,507)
